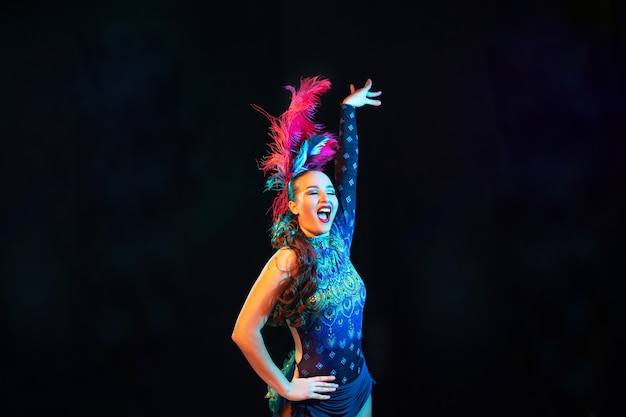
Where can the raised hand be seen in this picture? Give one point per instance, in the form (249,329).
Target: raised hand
(361,97)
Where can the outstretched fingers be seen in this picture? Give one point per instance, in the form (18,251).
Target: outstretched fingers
(368,93)
(362,96)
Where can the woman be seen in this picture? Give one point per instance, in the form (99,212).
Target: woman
(310,284)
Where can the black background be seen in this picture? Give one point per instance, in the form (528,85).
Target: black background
(490,215)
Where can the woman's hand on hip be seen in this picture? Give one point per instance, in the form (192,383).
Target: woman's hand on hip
(313,388)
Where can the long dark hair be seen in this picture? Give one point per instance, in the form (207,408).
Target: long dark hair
(292,304)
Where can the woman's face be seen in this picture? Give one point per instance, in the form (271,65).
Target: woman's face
(314,203)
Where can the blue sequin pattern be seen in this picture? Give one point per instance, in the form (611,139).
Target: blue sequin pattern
(331,340)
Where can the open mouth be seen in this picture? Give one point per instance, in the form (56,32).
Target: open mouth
(324,214)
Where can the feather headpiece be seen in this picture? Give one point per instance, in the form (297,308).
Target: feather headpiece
(298,143)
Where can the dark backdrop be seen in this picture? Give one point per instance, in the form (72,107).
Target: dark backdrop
(490,213)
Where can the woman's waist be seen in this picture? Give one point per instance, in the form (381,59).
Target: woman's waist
(345,366)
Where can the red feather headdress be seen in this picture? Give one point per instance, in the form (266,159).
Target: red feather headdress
(298,143)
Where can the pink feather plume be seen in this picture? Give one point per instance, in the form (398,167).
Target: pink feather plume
(288,132)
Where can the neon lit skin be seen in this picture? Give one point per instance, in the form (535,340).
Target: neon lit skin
(336,307)
(315,203)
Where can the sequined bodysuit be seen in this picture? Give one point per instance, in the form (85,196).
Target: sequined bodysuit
(331,338)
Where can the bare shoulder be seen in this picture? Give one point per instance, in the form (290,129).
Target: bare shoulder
(265,292)
(280,266)
(284,260)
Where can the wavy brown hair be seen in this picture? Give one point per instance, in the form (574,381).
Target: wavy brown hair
(292,303)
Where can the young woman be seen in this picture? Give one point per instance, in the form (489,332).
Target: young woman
(309,284)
